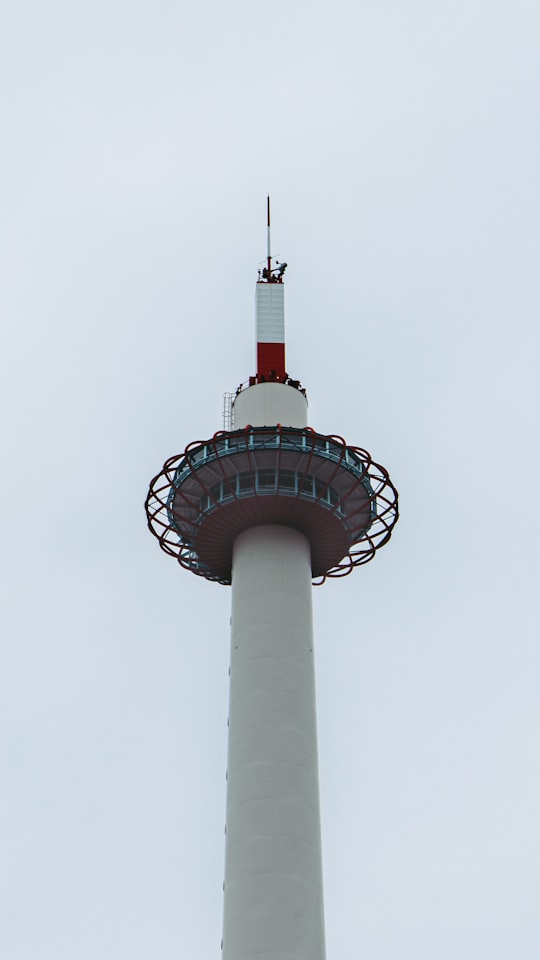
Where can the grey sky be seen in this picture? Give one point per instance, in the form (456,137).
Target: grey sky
(400,144)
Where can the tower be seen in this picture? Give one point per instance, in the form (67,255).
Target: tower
(269,506)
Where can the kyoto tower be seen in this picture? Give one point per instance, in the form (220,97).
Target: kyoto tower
(269,506)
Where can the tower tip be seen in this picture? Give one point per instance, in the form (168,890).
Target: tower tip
(269,274)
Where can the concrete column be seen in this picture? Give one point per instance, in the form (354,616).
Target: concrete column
(273,876)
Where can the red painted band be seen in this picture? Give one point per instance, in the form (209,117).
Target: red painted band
(271,361)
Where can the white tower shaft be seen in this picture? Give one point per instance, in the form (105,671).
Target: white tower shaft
(273,874)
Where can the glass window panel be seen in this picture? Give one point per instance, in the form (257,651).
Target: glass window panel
(307,486)
(266,478)
(245,482)
(287,480)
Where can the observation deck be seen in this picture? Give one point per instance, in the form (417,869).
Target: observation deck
(335,494)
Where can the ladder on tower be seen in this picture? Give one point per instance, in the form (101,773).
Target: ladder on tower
(228,413)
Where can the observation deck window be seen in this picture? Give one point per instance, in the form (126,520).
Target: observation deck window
(307,486)
(266,479)
(287,481)
(245,483)
(200,454)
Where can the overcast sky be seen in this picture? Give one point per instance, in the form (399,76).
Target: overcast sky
(400,143)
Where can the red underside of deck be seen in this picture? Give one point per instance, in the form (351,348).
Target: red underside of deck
(327,536)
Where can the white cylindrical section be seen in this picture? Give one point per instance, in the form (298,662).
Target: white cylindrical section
(267,404)
(270,312)
(273,875)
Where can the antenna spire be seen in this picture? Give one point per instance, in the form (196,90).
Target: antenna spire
(268,247)
(269,274)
